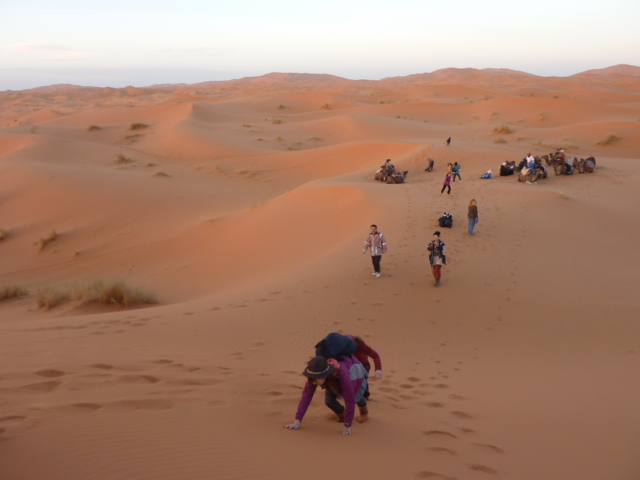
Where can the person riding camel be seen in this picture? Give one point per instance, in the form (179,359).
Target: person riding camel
(388,167)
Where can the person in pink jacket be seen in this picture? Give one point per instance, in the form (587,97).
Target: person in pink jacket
(346,379)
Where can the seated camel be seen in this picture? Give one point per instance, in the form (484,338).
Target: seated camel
(526,175)
(398,177)
(586,166)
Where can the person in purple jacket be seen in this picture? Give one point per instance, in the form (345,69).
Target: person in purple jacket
(346,378)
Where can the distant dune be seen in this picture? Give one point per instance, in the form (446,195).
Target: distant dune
(243,206)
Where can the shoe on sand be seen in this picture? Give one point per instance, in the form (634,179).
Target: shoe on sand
(378,274)
(364,415)
(437,283)
(374,273)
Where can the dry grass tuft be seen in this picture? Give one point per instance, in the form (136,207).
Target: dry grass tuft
(12,291)
(277,121)
(610,140)
(281,107)
(93,128)
(48,296)
(327,107)
(503,129)
(97,292)
(121,159)
(48,239)
(138,126)
(110,292)
(3,234)
(499,140)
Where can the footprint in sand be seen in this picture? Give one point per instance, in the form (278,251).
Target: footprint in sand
(483,469)
(433,475)
(439,433)
(89,407)
(102,366)
(442,450)
(463,415)
(138,379)
(489,448)
(50,373)
(41,387)
(434,404)
(162,362)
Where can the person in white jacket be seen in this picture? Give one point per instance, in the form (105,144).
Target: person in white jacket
(378,245)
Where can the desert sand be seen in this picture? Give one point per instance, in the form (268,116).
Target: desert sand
(243,206)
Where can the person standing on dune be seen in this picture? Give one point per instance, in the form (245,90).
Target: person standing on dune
(473,215)
(448,141)
(378,245)
(437,258)
(447,184)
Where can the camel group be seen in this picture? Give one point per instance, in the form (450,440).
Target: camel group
(568,166)
(387,173)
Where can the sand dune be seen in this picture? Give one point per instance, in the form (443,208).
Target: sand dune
(243,206)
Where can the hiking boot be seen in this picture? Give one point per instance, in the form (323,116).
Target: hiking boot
(341,418)
(364,415)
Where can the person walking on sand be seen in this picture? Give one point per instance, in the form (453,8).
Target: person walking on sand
(447,184)
(346,378)
(456,171)
(448,141)
(473,215)
(378,245)
(437,258)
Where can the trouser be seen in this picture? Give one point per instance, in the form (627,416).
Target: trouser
(376,262)
(456,175)
(331,401)
(472,225)
(446,186)
(436,270)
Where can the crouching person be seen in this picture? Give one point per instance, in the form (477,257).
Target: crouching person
(345,379)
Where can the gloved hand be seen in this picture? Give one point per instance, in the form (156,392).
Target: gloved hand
(347,430)
(293,426)
(379,373)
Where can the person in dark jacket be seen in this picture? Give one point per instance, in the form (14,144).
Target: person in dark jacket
(437,258)
(473,215)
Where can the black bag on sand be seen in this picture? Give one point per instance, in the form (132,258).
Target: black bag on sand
(446,220)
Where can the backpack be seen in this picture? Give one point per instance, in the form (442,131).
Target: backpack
(335,345)
(446,220)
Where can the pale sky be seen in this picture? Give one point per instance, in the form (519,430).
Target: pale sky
(118,43)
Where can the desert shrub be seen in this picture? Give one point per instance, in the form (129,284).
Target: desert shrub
(499,140)
(277,121)
(137,126)
(3,234)
(121,159)
(503,129)
(49,296)
(93,128)
(12,291)
(325,106)
(610,140)
(110,292)
(53,234)
(281,107)
(246,125)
